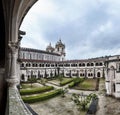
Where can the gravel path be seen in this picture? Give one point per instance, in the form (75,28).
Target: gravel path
(56,106)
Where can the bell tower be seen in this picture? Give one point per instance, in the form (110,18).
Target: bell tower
(60,49)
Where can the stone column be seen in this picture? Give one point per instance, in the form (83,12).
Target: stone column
(13,50)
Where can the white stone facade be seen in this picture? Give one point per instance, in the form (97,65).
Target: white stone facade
(49,63)
(113,76)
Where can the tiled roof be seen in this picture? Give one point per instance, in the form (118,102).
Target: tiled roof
(37,51)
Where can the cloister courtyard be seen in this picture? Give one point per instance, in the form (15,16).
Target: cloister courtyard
(62,103)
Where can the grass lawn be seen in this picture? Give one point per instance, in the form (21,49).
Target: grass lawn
(57,81)
(28,85)
(87,84)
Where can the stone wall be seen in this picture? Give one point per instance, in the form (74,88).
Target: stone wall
(15,105)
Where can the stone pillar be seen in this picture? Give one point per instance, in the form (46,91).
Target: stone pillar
(13,53)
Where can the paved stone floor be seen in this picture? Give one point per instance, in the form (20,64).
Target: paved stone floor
(107,105)
(56,106)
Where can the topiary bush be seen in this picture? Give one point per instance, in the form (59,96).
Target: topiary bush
(41,97)
(36,90)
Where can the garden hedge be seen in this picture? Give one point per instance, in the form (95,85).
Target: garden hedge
(75,82)
(36,90)
(41,97)
(64,82)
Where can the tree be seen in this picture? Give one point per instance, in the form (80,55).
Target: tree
(32,80)
(64,90)
(82,101)
(60,77)
(43,81)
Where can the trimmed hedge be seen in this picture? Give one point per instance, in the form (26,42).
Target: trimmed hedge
(75,82)
(71,84)
(41,97)
(64,82)
(36,90)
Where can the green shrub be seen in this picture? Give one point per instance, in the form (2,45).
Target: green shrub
(75,82)
(71,84)
(41,97)
(36,90)
(64,82)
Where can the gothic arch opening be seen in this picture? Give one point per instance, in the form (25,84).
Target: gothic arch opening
(112,72)
(98,74)
(3,87)
(2,36)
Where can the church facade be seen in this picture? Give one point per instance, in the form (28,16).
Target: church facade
(51,62)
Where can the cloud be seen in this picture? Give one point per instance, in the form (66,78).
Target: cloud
(87,27)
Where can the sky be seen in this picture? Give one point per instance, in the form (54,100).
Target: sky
(88,28)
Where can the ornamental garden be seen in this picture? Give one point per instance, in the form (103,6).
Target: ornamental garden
(61,95)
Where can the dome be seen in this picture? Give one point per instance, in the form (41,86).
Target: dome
(49,48)
(59,43)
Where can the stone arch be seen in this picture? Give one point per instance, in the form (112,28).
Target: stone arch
(92,64)
(2,36)
(22,65)
(3,59)
(98,74)
(101,64)
(112,72)
(88,64)
(83,64)
(12,13)
(80,64)
(23,77)
(96,64)
(27,64)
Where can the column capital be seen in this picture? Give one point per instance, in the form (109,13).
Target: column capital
(13,46)
(12,82)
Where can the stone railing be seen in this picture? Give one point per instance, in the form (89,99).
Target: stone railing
(15,105)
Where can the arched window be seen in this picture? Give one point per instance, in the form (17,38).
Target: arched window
(88,64)
(22,65)
(101,64)
(96,64)
(36,65)
(92,64)
(26,64)
(23,56)
(29,65)
(43,65)
(22,77)
(83,64)
(88,74)
(52,65)
(80,65)
(39,65)
(98,74)
(33,65)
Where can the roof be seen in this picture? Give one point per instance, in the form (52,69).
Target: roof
(37,51)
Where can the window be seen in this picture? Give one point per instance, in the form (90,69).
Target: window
(118,67)
(101,64)
(22,65)
(58,49)
(88,64)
